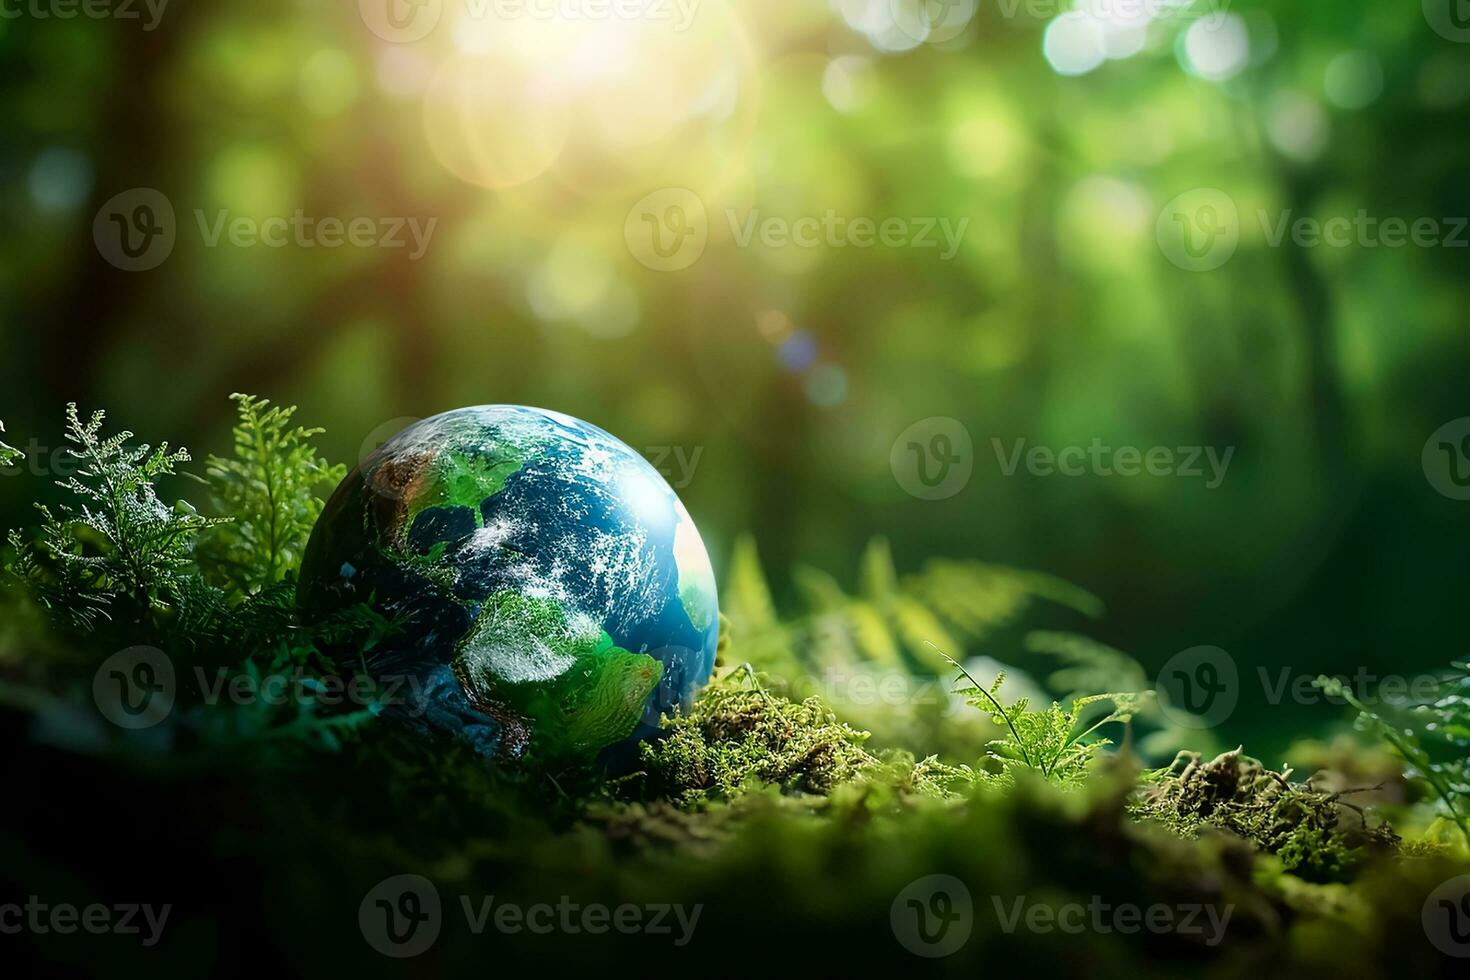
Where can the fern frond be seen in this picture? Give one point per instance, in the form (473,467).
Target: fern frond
(1432,738)
(894,620)
(1050,742)
(8,454)
(119,541)
(746,602)
(269,490)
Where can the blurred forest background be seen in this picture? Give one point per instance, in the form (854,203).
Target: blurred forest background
(1060,134)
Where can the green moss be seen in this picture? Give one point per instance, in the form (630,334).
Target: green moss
(1317,835)
(740,735)
(753,801)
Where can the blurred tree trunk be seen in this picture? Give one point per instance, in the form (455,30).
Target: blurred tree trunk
(1313,300)
(130,149)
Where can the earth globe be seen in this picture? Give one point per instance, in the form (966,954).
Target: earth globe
(551,593)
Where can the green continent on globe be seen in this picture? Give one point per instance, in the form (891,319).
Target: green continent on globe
(580,690)
(553,593)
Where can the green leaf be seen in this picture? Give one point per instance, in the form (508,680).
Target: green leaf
(1432,738)
(8,454)
(269,492)
(119,542)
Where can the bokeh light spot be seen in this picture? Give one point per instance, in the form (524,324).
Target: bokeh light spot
(1353,80)
(60,179)
(1073,44)
(1216,48)
(328,82)
(826,386)
(1296,125)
